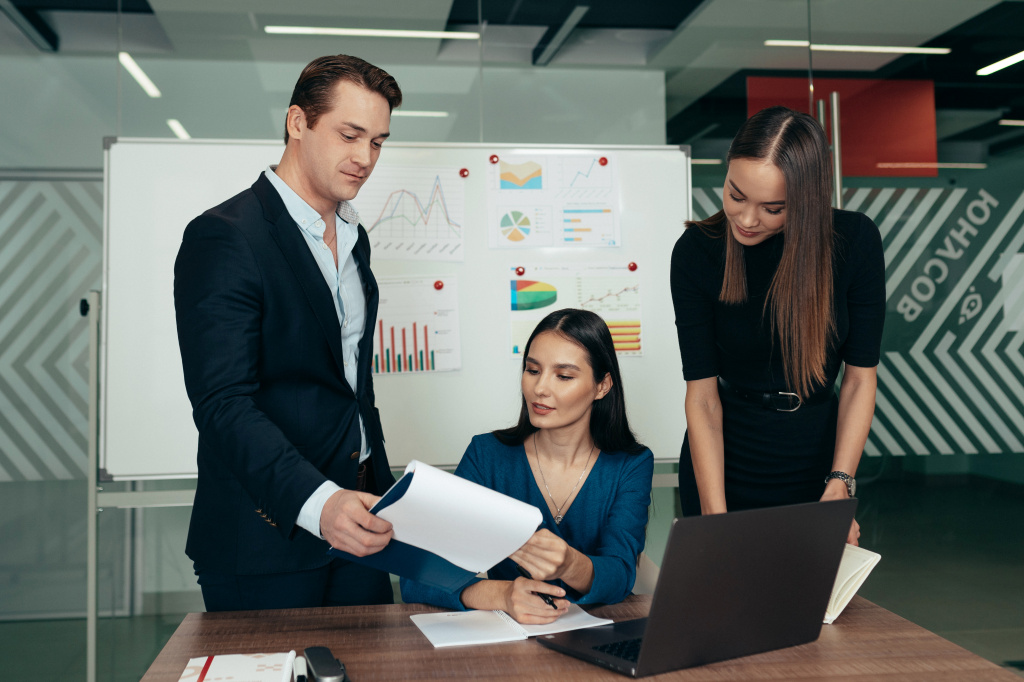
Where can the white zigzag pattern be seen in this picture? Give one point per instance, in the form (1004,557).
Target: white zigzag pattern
(50,257)
(962,396)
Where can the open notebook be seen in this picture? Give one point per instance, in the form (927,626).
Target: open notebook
(459,628)
(854,568)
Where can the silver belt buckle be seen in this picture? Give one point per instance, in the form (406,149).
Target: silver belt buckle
(799,402)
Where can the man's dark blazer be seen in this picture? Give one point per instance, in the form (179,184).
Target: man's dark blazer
(261,350)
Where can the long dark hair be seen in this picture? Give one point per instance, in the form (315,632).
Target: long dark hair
(608,424)
(800,296)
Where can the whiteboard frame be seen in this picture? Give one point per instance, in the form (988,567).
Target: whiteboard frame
(385,268)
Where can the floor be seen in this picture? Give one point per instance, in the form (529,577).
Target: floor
(952,561)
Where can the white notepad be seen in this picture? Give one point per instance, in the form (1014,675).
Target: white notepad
(854,568)
(459,628)
(240,668)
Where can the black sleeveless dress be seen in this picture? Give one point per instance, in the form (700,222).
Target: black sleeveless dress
(772,458)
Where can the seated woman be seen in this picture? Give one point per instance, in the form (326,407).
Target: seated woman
(573,456)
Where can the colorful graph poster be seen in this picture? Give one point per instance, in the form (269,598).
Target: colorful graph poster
(414,213)
(610,290)
(553,200)
(525,175)
(417,326)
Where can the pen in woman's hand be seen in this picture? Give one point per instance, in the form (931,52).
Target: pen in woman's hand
(546,597)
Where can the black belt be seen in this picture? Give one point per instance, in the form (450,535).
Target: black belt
(780,401)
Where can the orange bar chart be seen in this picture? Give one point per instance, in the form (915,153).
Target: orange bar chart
(625,334)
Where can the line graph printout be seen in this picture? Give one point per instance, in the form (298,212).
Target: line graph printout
(414,213)
(610,290)
(586,173)
(417,326)
(553,200)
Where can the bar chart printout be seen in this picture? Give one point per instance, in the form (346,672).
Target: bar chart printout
(417,326)
(610,290)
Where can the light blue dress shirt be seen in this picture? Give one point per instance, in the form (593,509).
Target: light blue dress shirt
(349,303)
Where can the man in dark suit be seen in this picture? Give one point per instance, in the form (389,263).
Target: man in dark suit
(275,307)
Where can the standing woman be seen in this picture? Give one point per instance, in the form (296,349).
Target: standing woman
(772,296)
(573,456)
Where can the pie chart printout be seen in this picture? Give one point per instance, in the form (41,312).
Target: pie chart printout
(529,295)
(515,226)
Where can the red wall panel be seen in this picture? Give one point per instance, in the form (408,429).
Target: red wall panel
(880,121)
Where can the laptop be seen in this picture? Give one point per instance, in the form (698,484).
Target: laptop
(730,585)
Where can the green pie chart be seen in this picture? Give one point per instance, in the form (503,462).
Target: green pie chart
(515,226)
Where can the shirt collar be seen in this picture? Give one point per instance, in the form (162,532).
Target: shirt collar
(301,212)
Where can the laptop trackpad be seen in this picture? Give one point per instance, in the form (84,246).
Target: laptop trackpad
(592,643)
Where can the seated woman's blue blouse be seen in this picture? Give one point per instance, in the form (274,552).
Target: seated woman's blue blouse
(607,520)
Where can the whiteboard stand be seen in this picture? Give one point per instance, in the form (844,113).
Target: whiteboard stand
(96,498)
(91,308)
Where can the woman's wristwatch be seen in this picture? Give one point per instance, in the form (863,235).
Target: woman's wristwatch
(850,481)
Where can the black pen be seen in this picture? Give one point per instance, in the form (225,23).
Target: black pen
(546,597)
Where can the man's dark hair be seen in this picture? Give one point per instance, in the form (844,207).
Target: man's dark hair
(314,91)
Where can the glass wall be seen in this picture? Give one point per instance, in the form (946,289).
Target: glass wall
(943,471)
(940,484)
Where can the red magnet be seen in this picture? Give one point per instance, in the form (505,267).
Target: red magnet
(632,267)
(494,158)
(464,172)
(520,271)
(603,161)
(439,285)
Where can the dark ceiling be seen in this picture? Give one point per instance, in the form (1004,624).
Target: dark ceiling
(551,13)
(988,37)
(84,5)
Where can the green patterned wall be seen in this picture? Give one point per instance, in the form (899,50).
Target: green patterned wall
(951,377)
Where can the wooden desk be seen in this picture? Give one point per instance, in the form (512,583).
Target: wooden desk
(381,643)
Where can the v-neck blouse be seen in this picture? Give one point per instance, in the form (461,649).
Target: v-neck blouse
(606,521)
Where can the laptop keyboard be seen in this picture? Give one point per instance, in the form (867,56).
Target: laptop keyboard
(627,649)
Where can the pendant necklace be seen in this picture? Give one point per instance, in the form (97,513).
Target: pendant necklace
(558,508)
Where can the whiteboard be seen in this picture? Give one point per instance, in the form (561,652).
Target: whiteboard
(153,188)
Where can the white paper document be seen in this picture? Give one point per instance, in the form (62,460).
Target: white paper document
(465,523)
(459,628)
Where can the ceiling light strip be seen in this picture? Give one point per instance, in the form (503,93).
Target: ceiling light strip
(1011,122)
(931,164)
(874,49)
(138,74)
(369,32)
(1001,64)
(420,114)
(178,129)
